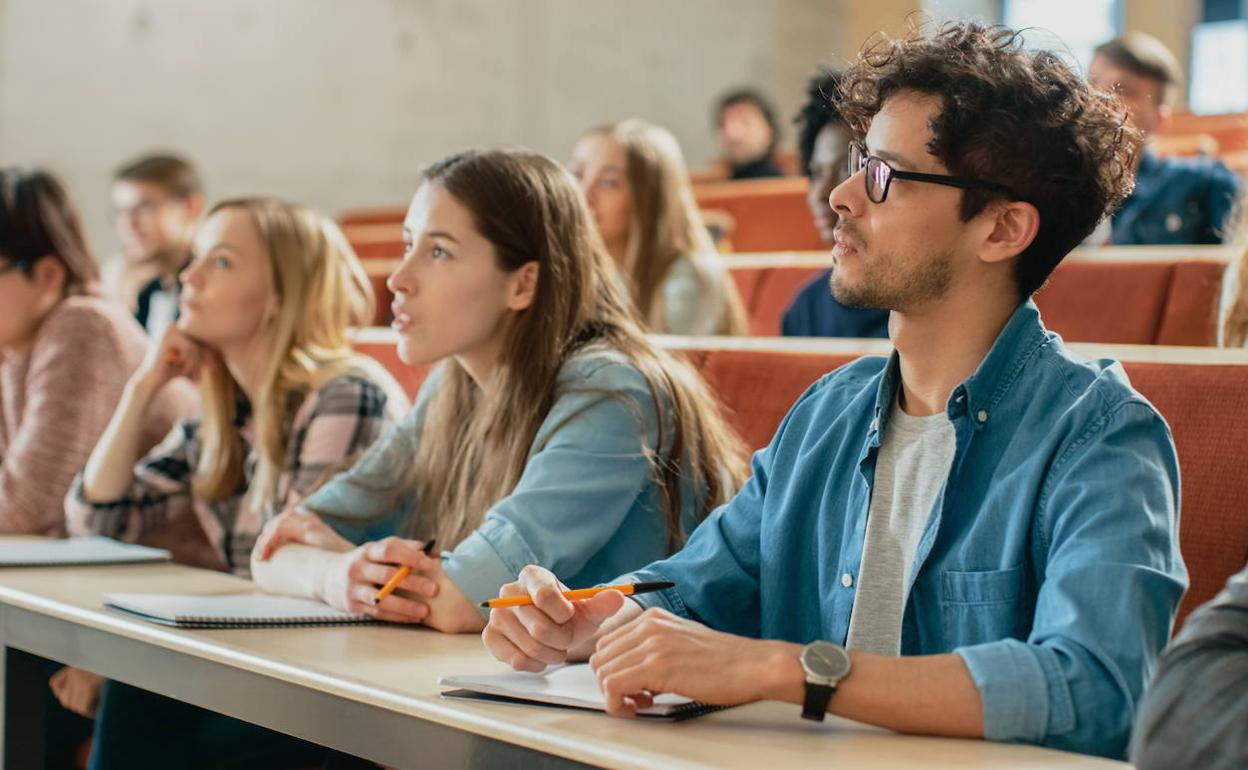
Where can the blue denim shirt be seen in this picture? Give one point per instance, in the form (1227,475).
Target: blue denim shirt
(1050,561)
(587,505)
(1176,201)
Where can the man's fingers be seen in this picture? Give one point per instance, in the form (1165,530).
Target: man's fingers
(518,635)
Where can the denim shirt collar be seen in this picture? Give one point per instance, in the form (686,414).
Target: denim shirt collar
(979,394)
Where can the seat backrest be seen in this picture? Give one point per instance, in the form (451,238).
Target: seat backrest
(1146,302)
(1206,407)
(769,214)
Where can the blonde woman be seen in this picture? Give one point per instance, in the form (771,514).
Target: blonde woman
(267,303)
(266,306)
(553,430)
(637,186)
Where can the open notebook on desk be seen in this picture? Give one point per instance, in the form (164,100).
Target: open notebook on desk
(570,686)
(231,610)
(77,552)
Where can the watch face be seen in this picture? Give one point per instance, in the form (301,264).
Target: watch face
(824,660)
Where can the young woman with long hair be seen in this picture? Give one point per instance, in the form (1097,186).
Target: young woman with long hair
(266,308)
(553,430)
(635,179)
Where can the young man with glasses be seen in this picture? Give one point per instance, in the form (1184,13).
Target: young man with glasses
(158,201)
(974,537)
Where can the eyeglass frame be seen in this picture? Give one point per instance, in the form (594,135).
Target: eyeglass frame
(948,180)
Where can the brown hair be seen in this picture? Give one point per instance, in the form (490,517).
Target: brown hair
(38,219)
(1146,56)
(475,444)
(667,225)
(1019,119)
(172,172)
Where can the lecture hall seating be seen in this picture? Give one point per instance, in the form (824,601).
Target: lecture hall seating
(1202,393)
(1120,295)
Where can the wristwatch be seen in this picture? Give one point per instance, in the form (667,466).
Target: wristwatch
(826,664)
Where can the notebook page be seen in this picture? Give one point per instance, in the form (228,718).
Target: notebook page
(231,609)
(571,685)
(77,551)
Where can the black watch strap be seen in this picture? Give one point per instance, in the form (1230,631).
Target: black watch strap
(816,705)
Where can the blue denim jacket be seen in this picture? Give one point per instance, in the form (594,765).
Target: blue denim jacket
(1050,561)
(587,505)
(1176,201)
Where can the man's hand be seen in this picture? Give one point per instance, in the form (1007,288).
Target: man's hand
(553,629)
(662,653)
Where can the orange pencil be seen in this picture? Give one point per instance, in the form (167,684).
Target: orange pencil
(399,576)
(581,593)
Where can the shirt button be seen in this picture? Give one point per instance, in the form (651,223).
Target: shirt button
(982,416)
(875,424)
(847,580)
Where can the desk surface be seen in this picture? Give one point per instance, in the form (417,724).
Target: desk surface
(397,669)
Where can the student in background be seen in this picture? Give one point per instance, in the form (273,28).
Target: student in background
(158,201)
(1233,308)
(637,185)
(267,304)
(975,537)
(747,132)
(823,143)
(1175,200)
(65,355)
(553,431)
(1194,712)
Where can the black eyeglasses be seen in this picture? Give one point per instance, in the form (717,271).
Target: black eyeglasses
(880,176)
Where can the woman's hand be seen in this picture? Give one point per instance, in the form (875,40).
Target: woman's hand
(298,525)
(352,579)
(176,355)
(77,690)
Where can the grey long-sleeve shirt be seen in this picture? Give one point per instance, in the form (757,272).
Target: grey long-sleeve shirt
(1195,715)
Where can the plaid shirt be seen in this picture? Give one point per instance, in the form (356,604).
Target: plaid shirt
(328,428)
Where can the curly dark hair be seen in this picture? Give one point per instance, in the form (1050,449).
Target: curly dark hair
(1022,119)
(818,111)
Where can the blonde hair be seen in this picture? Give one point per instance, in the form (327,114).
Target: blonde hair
(667,225)
(321,290)
(475,443)
(1233,325)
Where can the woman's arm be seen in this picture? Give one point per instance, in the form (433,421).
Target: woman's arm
(110,468)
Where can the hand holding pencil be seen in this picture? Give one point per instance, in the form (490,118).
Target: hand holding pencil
(544,624)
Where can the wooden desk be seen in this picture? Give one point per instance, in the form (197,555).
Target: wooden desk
(372,691)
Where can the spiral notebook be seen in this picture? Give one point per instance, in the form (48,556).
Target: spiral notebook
(231,611)
(77,552)
(570,686)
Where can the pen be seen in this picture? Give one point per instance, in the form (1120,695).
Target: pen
(581,593)
(400,576)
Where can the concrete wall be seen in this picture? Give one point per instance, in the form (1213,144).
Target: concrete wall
(339,103)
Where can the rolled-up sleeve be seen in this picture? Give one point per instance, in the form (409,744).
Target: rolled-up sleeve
(1195,714)
(1109,592)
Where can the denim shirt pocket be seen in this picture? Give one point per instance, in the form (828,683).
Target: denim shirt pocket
(983,606)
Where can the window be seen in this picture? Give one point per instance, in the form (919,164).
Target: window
(1071,27)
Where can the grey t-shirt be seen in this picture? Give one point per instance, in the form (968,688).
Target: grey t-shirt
(910,470)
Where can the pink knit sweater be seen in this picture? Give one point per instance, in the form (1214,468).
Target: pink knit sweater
(56,401)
